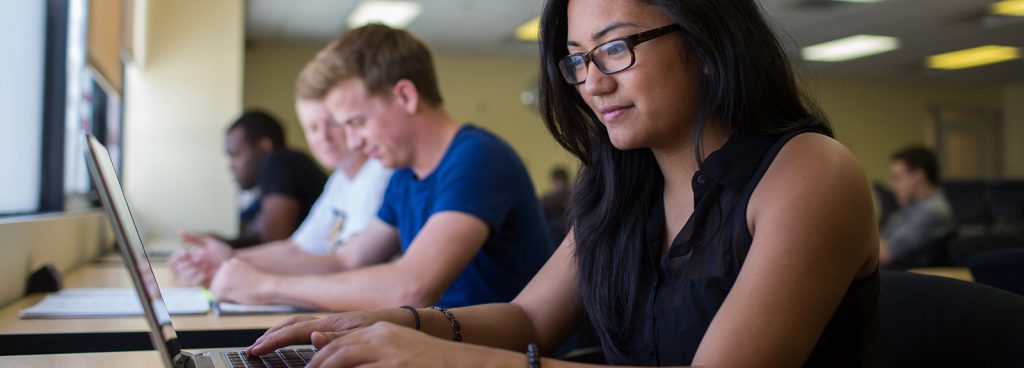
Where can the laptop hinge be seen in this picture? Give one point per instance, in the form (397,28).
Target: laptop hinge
(184,360)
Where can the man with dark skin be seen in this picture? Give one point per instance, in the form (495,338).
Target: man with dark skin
(286,182)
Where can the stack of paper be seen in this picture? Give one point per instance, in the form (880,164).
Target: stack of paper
(113,302)
(228,308)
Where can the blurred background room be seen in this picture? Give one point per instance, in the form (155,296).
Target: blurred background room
(159,82)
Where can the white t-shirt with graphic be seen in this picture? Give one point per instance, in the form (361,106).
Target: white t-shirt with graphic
(345,207)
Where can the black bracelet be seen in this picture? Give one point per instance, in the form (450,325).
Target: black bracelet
(456,327)
(415,315)
(532,356)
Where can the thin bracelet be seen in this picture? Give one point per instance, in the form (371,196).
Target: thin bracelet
(415,315)
(532,357)
(456,327)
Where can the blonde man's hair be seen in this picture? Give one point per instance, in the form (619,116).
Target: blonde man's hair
(375,54)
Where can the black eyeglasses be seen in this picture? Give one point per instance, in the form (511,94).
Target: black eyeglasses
(610,57)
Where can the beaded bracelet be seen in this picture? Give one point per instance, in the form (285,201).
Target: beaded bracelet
(532,356)
(415,315)
(456,327)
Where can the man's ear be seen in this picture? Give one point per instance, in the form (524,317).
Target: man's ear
(406,95)
(919,175)
(265,144)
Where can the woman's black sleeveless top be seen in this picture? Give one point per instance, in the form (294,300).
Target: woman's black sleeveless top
(685,289)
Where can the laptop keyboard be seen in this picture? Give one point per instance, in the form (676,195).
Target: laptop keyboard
(280,358)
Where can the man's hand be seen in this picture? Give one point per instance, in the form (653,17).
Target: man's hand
(239,282)
(207,248)
(197,263)
(188,271)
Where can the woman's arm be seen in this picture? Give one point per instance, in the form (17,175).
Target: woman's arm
(814,232)
(546,312)
(494,335)
(387,345)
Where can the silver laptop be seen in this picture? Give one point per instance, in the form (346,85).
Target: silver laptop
(161,331)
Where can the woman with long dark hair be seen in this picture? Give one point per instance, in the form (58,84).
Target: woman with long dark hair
(715,220)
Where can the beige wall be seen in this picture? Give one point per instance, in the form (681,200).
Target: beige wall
(875,118)
(270,71)
(179,99)
(872,117)
(1013,124)
(484,90)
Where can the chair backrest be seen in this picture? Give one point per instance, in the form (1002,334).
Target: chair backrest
(1007,201)
(963,249)
(933,254)
(932,321)
(1003,268)
(969,200)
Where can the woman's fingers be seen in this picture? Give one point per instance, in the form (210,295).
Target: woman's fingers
(293,331)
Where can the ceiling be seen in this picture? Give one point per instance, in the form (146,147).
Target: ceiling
(924,27)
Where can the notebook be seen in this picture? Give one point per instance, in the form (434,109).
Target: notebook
(114,302)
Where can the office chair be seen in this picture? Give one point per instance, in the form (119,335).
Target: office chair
(932,321)
(934,254)
(1007,202)
(963,249)
(1003,268)
(970,202)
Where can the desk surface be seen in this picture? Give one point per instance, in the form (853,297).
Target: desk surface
(67,335)
(113,360)
(959,273)
(114,275)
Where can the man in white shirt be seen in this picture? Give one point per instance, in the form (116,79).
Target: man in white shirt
(349,202)
(343,209)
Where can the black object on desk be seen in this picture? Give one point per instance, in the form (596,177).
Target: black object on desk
(44,280)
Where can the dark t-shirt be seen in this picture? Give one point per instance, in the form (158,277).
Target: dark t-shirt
(479,175)
(289,173)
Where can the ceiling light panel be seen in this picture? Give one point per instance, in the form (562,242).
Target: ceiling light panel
(973,57)
(1013,8)
(394,14)
(849,48)
(529,31)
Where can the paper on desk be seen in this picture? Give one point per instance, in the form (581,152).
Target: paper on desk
(163,247)
(113,302)
(228,308)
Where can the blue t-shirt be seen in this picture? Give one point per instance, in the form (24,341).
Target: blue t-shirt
(482,176)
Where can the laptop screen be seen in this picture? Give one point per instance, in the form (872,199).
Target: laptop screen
(102,171)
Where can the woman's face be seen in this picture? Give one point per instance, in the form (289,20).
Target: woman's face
(650,104)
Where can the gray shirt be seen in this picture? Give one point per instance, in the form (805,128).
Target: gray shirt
(918,225)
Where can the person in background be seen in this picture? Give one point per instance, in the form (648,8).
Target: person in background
(285,182)
(716,222)
(460,212)
(925,218)
(555,200)
(348,203)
